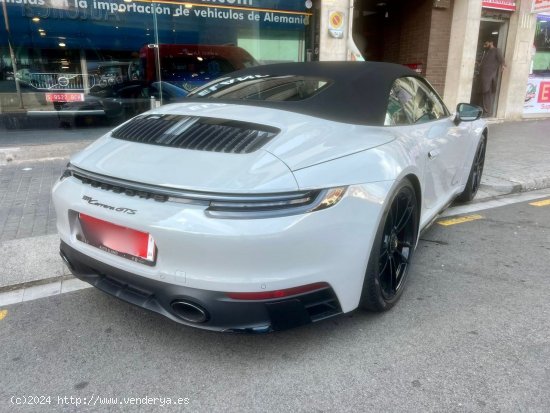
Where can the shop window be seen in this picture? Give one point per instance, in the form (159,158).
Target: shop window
(67,56)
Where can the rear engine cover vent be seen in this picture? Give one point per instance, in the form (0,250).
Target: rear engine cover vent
(197,133)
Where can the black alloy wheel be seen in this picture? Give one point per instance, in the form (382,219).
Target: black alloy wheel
(477,167)
(397,242)
(476,172)
(392,251)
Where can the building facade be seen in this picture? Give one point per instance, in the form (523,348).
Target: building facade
(96,62)
(443,41)
(105,60)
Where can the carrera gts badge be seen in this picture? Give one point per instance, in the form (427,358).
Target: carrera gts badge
(95,202)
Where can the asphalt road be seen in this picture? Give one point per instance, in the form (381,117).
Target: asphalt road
(471,333)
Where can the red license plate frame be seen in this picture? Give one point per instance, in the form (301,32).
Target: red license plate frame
(64,97)
(129,243)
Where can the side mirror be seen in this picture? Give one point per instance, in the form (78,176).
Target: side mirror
(465,112)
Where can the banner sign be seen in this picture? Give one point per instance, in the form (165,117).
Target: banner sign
(509,5)
(128,25)
(540,6)
(284,12)
(537,96)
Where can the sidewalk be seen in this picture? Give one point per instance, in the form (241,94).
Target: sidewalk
(517,159)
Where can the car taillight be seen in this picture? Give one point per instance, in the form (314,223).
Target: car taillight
(277,205)
(268,295)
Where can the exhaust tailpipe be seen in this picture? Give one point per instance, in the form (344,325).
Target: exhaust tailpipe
(190,312)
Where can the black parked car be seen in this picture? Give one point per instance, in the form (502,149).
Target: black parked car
(118,102)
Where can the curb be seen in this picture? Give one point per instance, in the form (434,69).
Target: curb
(504,189)
(513,188)
(43,281)
(37,291)
(34,153)
(31,261)
(7,155)
(535,184)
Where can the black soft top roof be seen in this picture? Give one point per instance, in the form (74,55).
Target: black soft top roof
(358,92)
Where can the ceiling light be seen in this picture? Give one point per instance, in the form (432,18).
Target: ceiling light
(62,44)
(494,33)
(42,33)
(40,30)
(36,19)
(200,59)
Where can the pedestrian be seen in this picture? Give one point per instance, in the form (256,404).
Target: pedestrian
(492,63)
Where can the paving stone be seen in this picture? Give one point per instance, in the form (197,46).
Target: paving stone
(25,201)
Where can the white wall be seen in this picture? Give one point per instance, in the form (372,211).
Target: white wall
(521,35)
(462,52)
(331,48)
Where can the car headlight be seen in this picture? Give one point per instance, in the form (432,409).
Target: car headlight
(277,205)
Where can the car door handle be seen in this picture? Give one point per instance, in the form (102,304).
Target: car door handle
(433,154)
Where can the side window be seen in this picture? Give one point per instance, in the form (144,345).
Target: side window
(412,101)
(422,106)
(397,112)
(427,106)
(439,106)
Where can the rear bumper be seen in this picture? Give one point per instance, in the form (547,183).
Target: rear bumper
(233,255)
(221,313)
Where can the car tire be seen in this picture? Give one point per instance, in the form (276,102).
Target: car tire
(392,250)
(476,172)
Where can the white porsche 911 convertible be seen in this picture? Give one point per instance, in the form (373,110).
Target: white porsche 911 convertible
(275,197)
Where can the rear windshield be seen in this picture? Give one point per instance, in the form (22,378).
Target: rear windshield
(262,88)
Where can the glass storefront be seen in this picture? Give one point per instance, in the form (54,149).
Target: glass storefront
(541,59)
(537,96)
(100,62)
